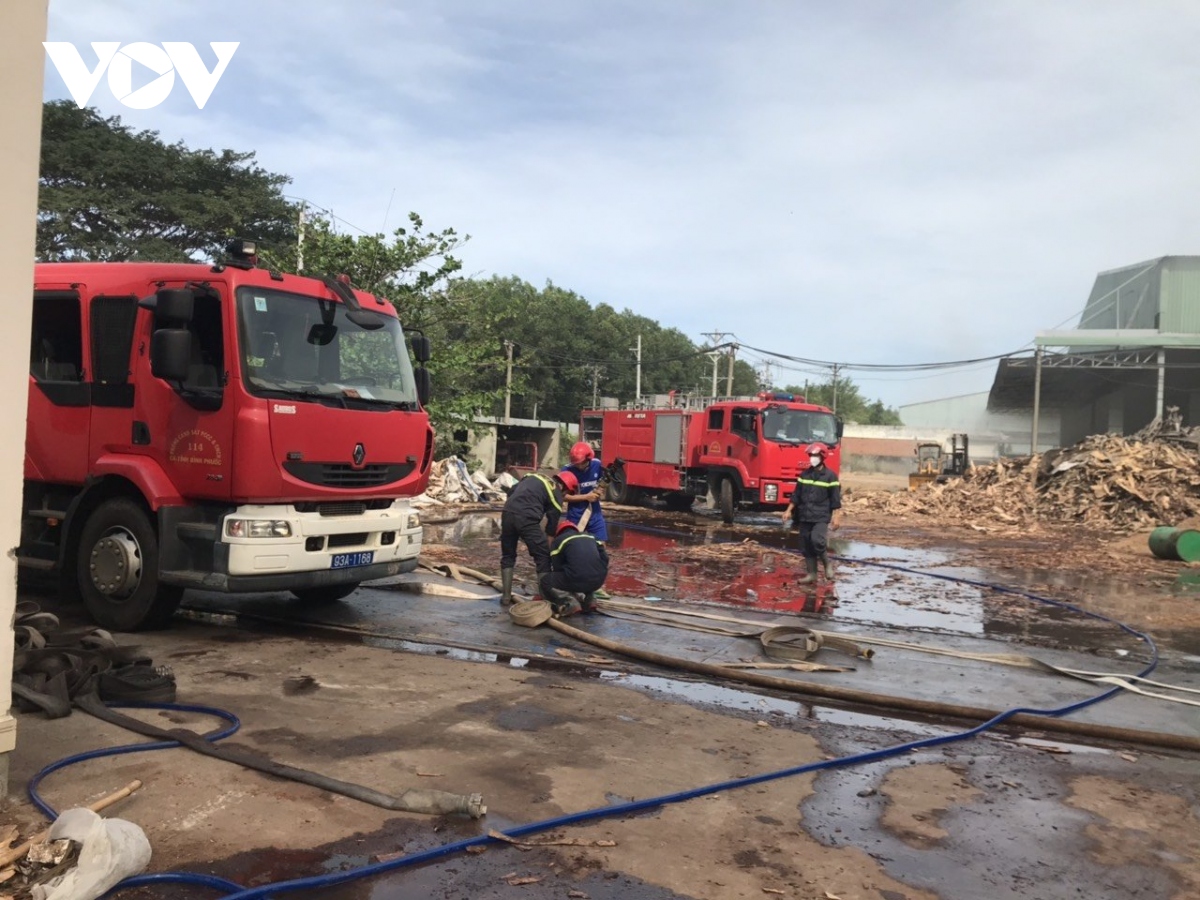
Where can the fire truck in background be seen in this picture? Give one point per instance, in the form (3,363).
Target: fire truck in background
(218,427)
(743,452)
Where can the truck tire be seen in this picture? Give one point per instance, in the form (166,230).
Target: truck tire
(725,501)
(321,595)
(620,492)
(117,569)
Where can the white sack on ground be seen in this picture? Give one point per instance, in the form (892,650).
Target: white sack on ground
(111,850)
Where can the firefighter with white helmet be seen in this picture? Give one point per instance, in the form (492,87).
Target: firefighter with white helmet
(816,507)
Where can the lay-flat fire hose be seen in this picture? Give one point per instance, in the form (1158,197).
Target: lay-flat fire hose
(412,800)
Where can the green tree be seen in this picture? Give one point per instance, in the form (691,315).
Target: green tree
(109,193)
(850,405)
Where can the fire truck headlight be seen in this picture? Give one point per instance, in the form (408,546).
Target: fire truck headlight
(414,521)
(771,493)
(258,528)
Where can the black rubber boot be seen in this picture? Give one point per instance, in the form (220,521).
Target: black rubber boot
(828,564)
(506,577)
(564,603)
(811,577)
(589,602)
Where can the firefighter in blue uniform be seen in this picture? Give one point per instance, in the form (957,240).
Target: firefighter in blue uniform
(816,507)
(587,469)
(534,498)
(578,565)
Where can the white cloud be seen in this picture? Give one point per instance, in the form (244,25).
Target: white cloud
(866,181)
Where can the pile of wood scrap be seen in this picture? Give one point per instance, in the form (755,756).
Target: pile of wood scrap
(1105,481)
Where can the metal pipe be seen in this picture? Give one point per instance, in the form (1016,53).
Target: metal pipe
(1162,383)
(1037,400)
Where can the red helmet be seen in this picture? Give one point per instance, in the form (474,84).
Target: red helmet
(568,481)
(818,448)
(582,452)
(563,526)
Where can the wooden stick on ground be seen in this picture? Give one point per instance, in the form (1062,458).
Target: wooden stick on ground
(16,853)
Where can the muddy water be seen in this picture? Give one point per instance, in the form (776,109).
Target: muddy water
(696,559)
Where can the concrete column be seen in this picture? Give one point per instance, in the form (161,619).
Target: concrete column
(22,63)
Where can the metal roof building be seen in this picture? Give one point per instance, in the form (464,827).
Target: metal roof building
(1134,355)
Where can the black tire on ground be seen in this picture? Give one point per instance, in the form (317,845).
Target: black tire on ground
(726,504)
(322,595)
(117,569)
(678,501)
(619,490)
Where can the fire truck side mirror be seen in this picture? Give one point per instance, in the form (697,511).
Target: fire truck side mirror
(170,353)
(173,307)
(841,426)
(420,348)
(423,385)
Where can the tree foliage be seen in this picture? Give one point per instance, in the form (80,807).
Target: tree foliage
(109,193)
(850,403)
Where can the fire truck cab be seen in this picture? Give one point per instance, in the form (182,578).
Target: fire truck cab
(741,453)
(217,427)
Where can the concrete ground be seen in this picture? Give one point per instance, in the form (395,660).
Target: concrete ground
(540,734)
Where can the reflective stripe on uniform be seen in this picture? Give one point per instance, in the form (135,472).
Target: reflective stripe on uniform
(566,541)
(549,486)
(824,484)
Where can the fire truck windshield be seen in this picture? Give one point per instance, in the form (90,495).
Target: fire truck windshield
(798,426)
(295,345)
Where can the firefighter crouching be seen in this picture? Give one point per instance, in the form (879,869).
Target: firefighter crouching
(579,565)
(533,498)
(816,507)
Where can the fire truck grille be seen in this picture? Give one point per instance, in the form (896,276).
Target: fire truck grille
(352,508)
(347,540)
(343,475)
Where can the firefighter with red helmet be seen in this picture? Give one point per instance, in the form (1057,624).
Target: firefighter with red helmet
(816,507)
(588,470)
(534,498)
(578,565)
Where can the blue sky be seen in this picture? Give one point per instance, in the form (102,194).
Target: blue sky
(864,182)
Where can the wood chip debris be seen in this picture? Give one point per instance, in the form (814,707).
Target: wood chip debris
(516,880)
(551,842)
(1105,481)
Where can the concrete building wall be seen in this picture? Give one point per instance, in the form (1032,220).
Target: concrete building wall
(22,63)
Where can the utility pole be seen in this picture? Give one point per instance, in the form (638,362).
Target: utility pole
(508,349)
(729,376)
(716,337)
(596,370)
(637,399)
(835,371)
(300,239)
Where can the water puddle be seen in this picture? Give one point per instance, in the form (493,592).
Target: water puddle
(754,566)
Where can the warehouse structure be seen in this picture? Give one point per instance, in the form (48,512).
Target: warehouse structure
(1134,358)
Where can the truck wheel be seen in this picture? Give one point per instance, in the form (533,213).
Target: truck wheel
(726,503)
(619,490)
(117,569)
(322,595)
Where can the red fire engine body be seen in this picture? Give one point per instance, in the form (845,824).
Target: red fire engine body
(746,452)
(217,427)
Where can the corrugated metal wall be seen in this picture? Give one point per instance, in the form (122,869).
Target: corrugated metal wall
(1180,293)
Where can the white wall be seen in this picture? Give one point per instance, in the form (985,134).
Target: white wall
(968,413)
(22,61)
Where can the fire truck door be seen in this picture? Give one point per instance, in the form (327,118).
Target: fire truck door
(743,435)
(59,400)
(190,423)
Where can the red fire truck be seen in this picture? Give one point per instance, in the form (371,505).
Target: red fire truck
(745,452)
(218,427)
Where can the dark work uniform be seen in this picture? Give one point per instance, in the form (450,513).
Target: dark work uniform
(578,562)
(535,497)
(816,495)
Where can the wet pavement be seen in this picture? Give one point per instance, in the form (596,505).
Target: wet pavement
(1007,817)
